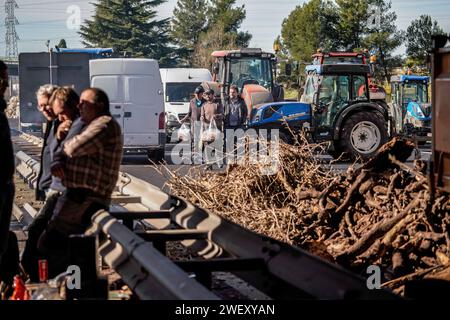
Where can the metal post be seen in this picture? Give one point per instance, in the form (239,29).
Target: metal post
(47,43)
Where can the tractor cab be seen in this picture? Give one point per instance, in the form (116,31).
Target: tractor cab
(252,70)
(335,108)
(376,92)
(339,58)
(411,106)
(342,110)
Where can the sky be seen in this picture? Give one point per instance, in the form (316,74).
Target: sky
(41,20)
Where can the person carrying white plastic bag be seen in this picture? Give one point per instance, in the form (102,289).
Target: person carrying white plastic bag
(211,133)
(212,120)
(184,133)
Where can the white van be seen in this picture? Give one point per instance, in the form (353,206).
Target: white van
(179,85)
(135,91)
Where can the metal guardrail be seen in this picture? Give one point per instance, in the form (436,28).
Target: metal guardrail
(144,269)
(275,268)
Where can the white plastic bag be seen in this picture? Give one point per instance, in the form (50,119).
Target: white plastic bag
(211,133)
(184,133)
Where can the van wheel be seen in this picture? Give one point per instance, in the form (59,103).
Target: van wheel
(362,135)
(156,155)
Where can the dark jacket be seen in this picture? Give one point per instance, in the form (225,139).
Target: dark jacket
(44,179)
(57,155)
(7,166)
(243,112)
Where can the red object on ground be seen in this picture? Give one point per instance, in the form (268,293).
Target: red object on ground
(43,270)
(20,291)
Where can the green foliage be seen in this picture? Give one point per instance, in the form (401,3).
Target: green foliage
(62,44)
(418,38)
(353,17)
(383,38)
(129,26)
(309,27)
(189,21)
(343,25)
(222,31)
(226,14)
(214,39)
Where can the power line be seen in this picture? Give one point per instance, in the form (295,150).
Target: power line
(42,40)
(51,2)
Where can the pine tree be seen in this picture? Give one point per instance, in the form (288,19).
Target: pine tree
(418,38)
(62,44)
(225,14)
(189,21)
(353,17)
(129,26)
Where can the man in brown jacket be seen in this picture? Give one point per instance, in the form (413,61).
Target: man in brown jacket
(193,116)
(212,110)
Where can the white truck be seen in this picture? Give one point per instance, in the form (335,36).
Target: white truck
(179,85)
(135,91)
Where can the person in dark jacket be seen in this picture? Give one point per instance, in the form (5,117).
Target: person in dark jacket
(236,116)
(44,177)
(236,112)
(7,166)
(195,107)
(193,116)
(62,105)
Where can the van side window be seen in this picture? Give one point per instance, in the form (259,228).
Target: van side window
(111,85)
(138,89)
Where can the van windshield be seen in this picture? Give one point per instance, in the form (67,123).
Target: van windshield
(180,91)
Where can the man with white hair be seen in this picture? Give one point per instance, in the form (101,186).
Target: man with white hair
(44,179)
(44,192)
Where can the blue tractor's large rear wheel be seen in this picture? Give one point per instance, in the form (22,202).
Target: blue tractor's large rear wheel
(362,134)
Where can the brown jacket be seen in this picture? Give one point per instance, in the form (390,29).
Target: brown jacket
(194,112)
(211,109)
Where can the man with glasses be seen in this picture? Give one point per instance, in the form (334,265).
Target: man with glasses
(7,168)
(88,166)
(44,177)
(62,108)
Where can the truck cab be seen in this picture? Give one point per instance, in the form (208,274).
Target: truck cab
(179,85)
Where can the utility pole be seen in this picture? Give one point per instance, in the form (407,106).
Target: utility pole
(12,51)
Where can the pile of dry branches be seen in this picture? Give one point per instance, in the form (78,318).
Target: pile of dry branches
(381,213)
(12,111)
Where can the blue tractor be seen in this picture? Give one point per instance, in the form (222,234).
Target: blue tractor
(335,107)
(411,107)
